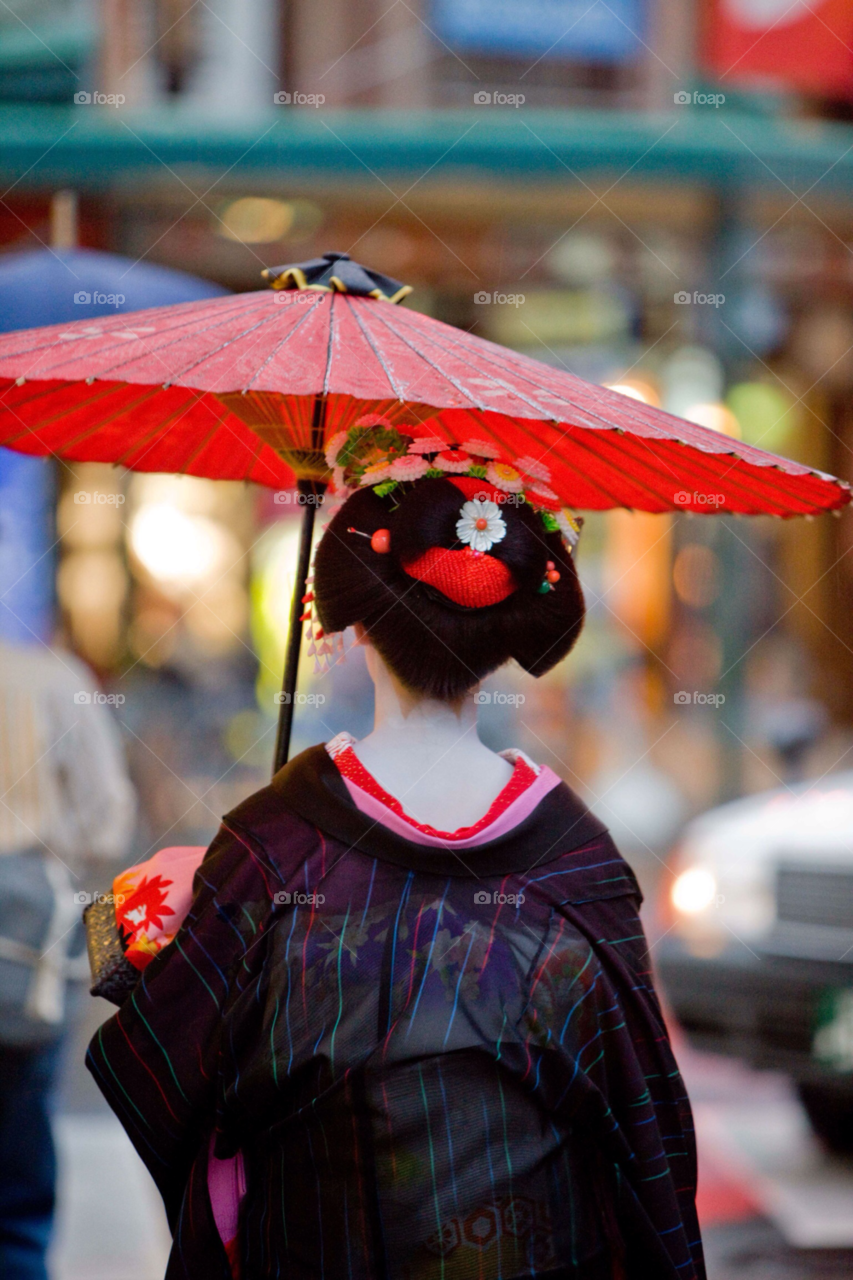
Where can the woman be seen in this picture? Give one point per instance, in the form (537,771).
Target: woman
(407,1029)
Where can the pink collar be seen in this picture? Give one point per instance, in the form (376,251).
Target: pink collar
(524,791)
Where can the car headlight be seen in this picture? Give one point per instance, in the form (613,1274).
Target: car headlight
(693,891)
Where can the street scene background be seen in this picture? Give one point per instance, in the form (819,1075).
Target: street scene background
(652,194)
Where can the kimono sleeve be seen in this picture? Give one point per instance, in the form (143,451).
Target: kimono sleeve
(156,1060)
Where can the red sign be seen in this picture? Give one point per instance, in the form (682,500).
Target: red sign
(793,44)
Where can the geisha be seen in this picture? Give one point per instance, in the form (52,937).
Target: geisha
(406,1028)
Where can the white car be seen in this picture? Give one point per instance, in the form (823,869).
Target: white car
(758,963)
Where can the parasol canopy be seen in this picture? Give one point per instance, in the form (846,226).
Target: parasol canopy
(252,386)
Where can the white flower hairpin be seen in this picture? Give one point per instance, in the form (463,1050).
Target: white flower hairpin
(480,524)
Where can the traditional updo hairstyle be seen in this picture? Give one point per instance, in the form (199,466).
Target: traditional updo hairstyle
(434,645)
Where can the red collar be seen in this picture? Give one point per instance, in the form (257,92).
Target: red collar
(350,767)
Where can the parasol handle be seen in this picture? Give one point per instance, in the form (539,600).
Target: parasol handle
(309,491)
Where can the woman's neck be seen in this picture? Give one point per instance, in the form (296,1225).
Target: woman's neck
(427,754)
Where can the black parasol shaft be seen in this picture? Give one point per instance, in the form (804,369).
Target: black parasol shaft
(310,494)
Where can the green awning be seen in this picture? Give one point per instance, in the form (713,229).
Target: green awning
(97,147)
(43,63)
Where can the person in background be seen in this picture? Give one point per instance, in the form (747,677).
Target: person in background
(65,798)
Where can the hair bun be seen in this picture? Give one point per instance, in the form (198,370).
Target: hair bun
(437,644)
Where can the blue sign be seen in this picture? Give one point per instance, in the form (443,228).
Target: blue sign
(571,30)
(26,542)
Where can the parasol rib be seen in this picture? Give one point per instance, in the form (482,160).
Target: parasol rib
(51,345)
(277,350)
(368,337)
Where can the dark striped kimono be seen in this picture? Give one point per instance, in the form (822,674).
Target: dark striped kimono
(437,1065)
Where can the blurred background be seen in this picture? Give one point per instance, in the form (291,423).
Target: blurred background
(653,194)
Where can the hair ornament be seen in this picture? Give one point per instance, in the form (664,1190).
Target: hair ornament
(334,447)
(531,467)
(455,461)
(380,541)
(469,578)
(480,524)
(570,527)
(542,496)
(321,644)
(481,449)
(374,453)
(375,472)
(410,467)
(504,477)
(427,446)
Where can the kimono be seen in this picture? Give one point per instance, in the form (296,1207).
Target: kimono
(408,1063)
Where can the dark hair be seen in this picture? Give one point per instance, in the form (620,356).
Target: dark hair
(432,645)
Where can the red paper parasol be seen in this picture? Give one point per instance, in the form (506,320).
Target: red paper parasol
(251,387)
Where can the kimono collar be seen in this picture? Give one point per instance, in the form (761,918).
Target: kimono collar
(311,786)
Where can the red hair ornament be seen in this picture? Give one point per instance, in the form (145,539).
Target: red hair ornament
(469,578)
